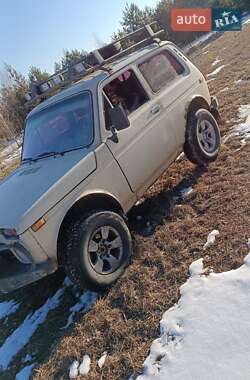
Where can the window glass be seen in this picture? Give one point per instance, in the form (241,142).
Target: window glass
(64,126)
(126,90)
(161,69)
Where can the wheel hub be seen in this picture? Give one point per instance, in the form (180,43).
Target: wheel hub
(207,136)
(105,250)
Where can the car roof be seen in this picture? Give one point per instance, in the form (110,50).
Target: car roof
(91,81)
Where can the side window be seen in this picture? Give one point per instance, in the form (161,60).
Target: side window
(161,69)
(127,91)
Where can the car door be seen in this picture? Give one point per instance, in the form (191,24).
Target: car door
(169,78)
(143,149)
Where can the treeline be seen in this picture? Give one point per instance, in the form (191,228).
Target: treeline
(12,105)
(13,108)
(134,17)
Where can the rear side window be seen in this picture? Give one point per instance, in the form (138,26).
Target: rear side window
(161,69)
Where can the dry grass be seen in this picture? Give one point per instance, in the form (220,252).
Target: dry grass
(125,320)
(9,169)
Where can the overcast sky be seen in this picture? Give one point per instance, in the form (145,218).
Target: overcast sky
(34,32)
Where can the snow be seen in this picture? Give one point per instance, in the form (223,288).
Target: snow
(27,358)
(210,80)
(247,20)
(239,81)
(102,359)
(85,365)
(248,244)
(243,129)
(25,373)
(211,238)
(85,303)
(196,268)
(20,337)
(216,61)
(198,42)
(73,370)
(9,149)
(180,156)
(83,369)
(10,153)
(224,89)
(7,308)
(186,191)
(206,335)
(216,71)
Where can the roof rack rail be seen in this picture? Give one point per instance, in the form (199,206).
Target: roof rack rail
(95,60)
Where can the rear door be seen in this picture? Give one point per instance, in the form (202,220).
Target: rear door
(143,149)
(167,76)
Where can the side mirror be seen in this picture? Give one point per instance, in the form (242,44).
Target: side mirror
(119,118)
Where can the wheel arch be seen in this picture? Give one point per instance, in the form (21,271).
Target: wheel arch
(196,103)
(93,201)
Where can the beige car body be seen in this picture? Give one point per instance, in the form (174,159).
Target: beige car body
(114,174)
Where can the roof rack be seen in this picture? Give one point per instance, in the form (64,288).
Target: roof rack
(96,60)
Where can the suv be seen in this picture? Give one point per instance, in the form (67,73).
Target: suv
(89,153)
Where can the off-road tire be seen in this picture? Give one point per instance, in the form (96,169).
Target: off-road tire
(193,148)
(75,257)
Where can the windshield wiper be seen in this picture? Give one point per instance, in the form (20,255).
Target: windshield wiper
(29,159)
(48,154)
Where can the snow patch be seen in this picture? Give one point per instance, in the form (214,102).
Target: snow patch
(211,239)
(247,21)
(7,308)
(20,337)
(196,268)
(180,156)
(216,71)
(210,80)
(224,89)
(206,335)
(85,303)
(84,367)
(248,244)
(102,359)
(27,358)
(186,191)
(216,61)
(243,129)
(25,373)
(73,370)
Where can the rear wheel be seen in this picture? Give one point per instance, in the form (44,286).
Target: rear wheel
(97,250)
(202,137)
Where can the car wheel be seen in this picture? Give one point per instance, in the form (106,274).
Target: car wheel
(97,250)
(202,142)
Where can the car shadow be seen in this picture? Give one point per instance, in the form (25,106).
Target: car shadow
(143,219)
(152,211)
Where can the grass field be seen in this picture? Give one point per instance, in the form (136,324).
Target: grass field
(169,231)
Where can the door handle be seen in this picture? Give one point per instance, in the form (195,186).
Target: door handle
(155,109)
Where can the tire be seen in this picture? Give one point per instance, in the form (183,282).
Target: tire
(202,142)
(97,250)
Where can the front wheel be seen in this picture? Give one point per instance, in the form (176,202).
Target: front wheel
(97,250)
(202,137)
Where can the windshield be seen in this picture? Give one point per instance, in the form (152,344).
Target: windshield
(64,126)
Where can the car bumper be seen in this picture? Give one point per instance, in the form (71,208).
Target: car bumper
(14,273)
(19,275)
